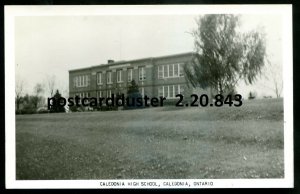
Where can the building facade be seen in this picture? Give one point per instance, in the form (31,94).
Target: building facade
(156,76)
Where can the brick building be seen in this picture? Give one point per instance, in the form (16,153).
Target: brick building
(156,76)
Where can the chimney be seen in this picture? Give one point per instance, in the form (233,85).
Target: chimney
(110,61)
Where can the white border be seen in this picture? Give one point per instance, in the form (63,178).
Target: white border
(12,11)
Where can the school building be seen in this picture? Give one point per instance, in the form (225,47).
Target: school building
(156,76)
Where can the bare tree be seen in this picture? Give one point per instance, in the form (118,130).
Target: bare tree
(274,75)
(278,86)
(65,91)
(19,89)
(50,84)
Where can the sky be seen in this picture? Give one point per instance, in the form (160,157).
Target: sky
(53,45)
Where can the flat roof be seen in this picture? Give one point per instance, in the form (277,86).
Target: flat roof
(134,60)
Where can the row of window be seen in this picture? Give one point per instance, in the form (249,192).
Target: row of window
(99,94)
(120,79)
(108,93)
(164,71)
(82,95)
(81,81)
(170,91)
(170,71)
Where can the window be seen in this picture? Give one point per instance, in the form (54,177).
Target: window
(176,67)
(181,70)
(108,93)
(75,82)
(161,91)
(171,70)
(166,91)
(119,76)
(171,91)
(166,71)
(160,72)
(79,81)
(129,75)
(99,78)
(83,80)
(87,79)
(99,94)
(109,80)
(142,73)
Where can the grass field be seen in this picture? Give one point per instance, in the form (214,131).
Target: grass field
(166,142)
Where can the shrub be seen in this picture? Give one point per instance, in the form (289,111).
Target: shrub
(73,108)
(42,110)
(55,108)
(252,95)
(133,93)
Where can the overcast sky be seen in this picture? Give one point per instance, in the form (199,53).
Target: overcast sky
(52,45)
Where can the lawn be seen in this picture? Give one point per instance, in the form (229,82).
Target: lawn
(153,143)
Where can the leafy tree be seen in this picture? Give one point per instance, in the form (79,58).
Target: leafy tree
(28,106)
(224,55)
(56,107)
(133,87)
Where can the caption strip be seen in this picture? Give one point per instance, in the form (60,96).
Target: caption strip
(194,101)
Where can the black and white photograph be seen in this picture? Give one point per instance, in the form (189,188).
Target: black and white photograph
(161,96)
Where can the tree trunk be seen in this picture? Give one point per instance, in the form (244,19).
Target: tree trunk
(220,88)
(211,97)
(18,104)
